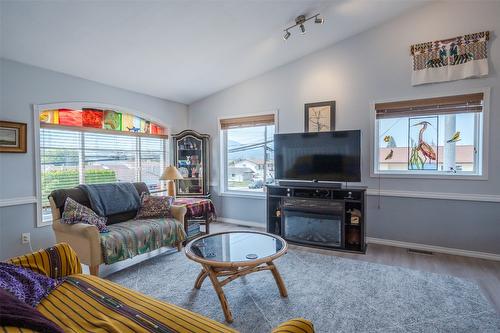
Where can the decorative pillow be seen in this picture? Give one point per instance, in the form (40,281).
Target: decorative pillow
(78,213)
(154,206)
(14,313)
(26,285)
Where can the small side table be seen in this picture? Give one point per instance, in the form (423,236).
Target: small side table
(199,211)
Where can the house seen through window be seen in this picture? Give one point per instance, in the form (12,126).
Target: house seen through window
(430,136)
(248,152)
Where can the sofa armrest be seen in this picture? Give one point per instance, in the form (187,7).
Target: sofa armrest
(178,212)
(57,261)
(83,238)
(296,325)
(88,231)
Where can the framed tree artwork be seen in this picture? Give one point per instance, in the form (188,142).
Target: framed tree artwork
(12,137)
(319,117)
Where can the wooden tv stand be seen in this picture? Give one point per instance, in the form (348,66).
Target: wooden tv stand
(323,216)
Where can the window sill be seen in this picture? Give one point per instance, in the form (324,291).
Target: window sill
(44,223)
(260,196)
(428,176)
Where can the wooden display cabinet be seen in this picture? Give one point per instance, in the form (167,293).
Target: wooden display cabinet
(191,157)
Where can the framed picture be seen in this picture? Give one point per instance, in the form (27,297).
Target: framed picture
(12,137)
(319,117)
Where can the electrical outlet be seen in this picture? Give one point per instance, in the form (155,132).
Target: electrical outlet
(25,238)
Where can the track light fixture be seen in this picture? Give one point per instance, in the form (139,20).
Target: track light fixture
(299,21)
(319,20)
(302,29)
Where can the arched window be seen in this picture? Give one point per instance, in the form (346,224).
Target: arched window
(92,144)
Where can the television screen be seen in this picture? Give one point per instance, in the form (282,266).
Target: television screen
(325,156)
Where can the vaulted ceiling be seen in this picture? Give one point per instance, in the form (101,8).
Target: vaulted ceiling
(180,50)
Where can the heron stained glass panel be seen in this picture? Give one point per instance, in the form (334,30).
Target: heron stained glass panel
(423,143)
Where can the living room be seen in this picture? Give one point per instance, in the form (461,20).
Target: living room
(250,118)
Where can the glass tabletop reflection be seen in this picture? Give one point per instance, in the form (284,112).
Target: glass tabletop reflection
(236,246)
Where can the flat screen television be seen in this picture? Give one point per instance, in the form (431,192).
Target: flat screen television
(323,156)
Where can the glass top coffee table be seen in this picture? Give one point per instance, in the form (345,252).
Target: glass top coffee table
(233,254)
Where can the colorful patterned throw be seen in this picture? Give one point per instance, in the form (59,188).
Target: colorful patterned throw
(451,59)
(128,239)
(197,207)
(27,286)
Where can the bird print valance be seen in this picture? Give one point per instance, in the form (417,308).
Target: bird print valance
(451,59)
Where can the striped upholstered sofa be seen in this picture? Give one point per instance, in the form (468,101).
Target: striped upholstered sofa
(86,303)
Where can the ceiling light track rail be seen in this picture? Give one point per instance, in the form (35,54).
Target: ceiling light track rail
(299,22)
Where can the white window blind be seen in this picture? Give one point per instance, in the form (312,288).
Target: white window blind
(470,103)
(249,121)
(69,158)
(60,160)
(153,161)
(110,158)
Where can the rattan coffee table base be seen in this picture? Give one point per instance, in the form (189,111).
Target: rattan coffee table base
(231,274)
(226,256)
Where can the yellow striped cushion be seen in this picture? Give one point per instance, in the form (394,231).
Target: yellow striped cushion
(55,262)
(88,303)
(297,325)
(11,329)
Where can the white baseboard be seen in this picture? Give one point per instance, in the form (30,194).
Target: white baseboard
(406,245)
(388,242)
(433,248)
(241,222)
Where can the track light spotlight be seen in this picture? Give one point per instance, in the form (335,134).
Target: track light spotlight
(299,22)
(319,20)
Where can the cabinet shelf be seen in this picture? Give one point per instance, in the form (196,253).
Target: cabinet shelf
(190,165)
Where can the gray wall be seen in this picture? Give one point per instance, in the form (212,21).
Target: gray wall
(22,86)
(375,65)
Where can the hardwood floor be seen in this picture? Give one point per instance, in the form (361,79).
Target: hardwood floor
(485,273)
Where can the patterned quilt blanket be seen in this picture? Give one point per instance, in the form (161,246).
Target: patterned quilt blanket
(197,207)
(128,239)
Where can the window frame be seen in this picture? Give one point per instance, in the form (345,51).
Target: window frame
(482,141)
(222,136)
(38,108)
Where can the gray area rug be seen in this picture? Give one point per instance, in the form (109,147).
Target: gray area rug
(337,294)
